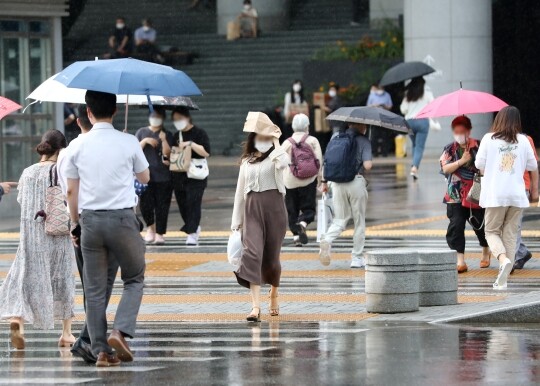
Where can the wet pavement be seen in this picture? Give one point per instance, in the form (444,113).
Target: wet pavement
(363,353)
(191,320)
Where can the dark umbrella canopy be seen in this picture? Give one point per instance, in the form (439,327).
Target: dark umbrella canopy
(374,116)
(170,103)
(404,71)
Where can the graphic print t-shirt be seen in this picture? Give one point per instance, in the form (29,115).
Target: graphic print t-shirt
(504,165)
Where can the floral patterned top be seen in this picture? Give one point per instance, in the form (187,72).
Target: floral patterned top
(459,182)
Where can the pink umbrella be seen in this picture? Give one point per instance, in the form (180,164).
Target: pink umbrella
(7,106)
(462,102)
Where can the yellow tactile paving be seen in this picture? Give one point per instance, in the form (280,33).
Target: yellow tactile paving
(239,298)
(236,317)
(284,298)
(401,224)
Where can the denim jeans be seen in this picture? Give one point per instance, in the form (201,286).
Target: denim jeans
(420,131)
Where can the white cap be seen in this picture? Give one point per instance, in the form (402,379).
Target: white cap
(300,122)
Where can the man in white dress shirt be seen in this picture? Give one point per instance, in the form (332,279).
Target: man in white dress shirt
(100,172)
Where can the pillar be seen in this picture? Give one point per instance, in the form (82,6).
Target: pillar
(274,15)
(454,36)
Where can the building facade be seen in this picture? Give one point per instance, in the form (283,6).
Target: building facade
(30,52)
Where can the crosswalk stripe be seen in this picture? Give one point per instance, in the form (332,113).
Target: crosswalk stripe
(48,381)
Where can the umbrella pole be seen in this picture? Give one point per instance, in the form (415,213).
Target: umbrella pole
(126,115)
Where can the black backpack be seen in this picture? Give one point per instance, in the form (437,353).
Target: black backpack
(340,159)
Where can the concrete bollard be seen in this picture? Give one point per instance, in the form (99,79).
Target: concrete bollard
(438,277)
(392,282)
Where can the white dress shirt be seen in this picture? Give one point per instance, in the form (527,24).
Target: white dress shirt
(104,161)
(61,163)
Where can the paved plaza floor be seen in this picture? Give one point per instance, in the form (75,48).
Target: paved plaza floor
(192,328)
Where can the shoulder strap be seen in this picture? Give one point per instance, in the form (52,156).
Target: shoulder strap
(53,181)
(304,138)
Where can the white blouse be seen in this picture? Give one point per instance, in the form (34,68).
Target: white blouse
(258,177)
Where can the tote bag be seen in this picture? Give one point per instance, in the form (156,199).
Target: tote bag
(57,217)
(179,159)
(198,169)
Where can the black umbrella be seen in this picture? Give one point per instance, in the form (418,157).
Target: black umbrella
(172,102)
(374,116)
(404,71)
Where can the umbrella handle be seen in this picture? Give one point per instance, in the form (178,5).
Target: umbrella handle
(126,115)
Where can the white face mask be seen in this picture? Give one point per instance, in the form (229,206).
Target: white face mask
(332,93)
(263,146)
(146,28)
(460,138)
(297,88)
(181,124)
(379,92)
(155,121)
(120,25)
(247,7)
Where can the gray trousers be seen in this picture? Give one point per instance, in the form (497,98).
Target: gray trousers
(111,238)
(350,201)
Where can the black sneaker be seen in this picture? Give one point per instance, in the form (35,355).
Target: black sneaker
(519,264)
(83,350)
(302,234)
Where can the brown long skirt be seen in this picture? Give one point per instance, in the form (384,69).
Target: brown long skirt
(265,225)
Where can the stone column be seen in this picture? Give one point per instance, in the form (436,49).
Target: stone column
(454,36)
(274,15)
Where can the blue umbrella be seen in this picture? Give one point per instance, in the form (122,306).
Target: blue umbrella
(128,76)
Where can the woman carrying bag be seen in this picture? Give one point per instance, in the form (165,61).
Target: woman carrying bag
(40,285)
(457,164)
(259,211)
(190,182)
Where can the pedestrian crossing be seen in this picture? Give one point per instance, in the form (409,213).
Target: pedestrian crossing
(173,353)
(219,245)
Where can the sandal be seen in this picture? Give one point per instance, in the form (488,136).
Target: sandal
(66,342)
(17,339)
(254,317)
(462,268)
(484,263)
(274,307)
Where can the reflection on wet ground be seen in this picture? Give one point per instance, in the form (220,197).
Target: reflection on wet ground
(365,353)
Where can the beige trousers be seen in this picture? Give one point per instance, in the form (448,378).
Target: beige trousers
(350,201)
(502,225)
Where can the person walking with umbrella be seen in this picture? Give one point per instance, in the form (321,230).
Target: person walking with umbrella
(156,199)
(416,98)
(457,164)
(187,190)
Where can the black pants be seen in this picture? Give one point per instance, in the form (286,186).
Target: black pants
(301,205)
(459,216)
(155,205)
(111,276)
(189,194)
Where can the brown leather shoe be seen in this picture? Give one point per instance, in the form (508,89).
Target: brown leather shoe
(462,268)
(116,340)
(107,360)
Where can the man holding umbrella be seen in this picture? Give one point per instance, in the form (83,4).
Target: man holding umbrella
(100,174)
(347,158)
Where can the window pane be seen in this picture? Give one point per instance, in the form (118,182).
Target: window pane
(41,27)
(11,61)
(11,26)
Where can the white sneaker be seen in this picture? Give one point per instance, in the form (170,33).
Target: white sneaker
(502,279)
(150,236)
(358,262)
(159,240)
(193,238)
(324,253)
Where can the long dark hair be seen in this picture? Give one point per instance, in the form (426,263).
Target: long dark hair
(507,125)
(248,150)
(51,143)
(301,93)
(415,89)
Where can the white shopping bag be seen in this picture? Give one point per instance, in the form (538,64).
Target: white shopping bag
(234,248)
(325,215)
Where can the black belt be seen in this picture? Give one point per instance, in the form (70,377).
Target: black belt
(108,210)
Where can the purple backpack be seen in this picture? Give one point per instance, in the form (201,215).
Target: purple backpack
(304,161)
